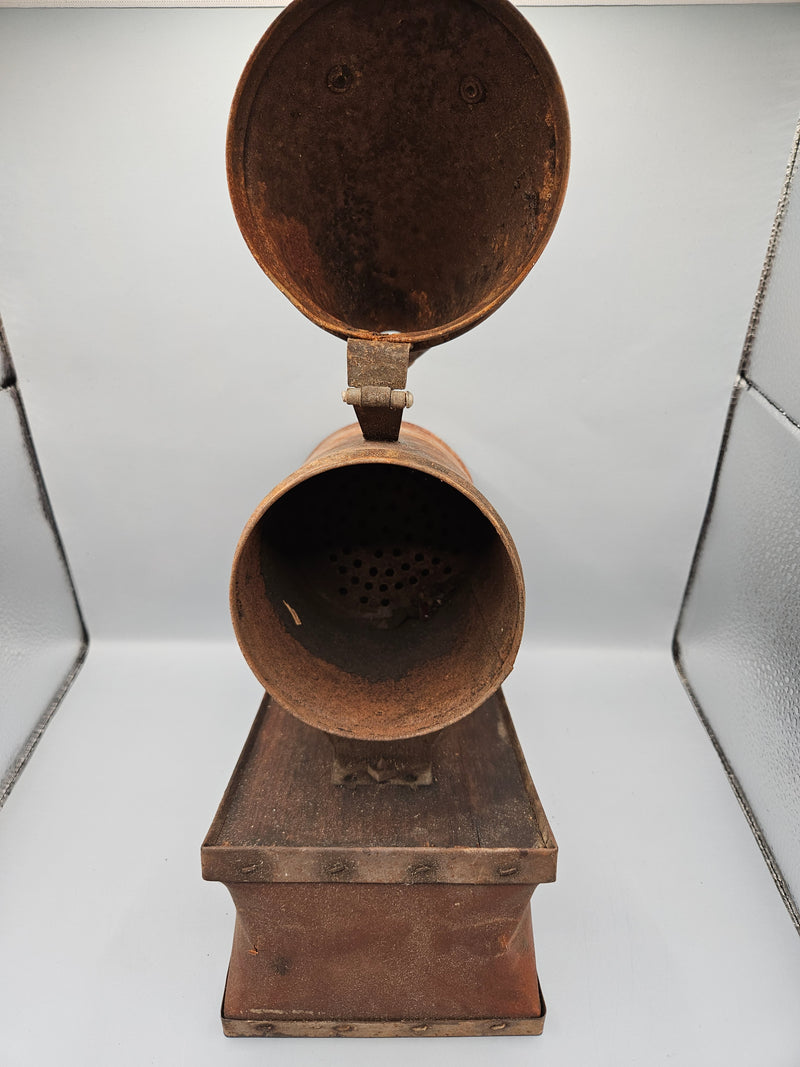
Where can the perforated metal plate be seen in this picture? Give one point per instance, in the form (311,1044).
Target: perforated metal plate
(397,166)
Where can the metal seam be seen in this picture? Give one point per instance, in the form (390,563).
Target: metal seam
(741,796)
(772,249)
(8,381)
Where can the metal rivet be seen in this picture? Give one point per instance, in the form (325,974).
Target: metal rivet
(340,78)
(472,90)
(339,870)
(421,870)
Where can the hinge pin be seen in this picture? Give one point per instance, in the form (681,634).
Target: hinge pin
(377,396)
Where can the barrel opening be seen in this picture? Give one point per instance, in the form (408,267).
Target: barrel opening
(368,549)
(377,583)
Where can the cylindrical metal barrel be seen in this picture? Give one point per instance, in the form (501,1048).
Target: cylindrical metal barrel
(375,592)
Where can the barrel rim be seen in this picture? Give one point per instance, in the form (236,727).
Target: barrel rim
(393,454)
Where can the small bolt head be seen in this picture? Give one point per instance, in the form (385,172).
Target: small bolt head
(472,90)
(340,78)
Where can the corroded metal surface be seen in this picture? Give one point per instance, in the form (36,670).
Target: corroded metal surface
(289,1026)
(283,819)
(397,166)
(408,761)
(376,386)
(378,952)
(383,911)
(376,593)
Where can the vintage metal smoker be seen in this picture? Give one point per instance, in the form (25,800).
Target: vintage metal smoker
(396,167)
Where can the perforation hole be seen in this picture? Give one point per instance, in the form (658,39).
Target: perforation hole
(394,539)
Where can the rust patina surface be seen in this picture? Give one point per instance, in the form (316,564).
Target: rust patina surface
(397,908)
(376,592)
(397,166)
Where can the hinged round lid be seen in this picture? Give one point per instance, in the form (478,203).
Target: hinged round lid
(397,166)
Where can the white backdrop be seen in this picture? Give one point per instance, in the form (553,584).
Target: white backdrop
(158,363)
(158,366)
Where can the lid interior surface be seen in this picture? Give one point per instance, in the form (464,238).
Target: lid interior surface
(397,166)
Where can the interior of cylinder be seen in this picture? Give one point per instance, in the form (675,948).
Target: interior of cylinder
(375,597)
(399,163)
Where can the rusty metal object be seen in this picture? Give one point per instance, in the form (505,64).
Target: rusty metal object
(397,166)
(375,592)
(363,911)
(408,761)
(376,386)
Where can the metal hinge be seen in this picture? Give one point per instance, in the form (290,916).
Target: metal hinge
(376,386)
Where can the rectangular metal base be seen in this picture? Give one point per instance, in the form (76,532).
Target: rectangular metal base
(381,911)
